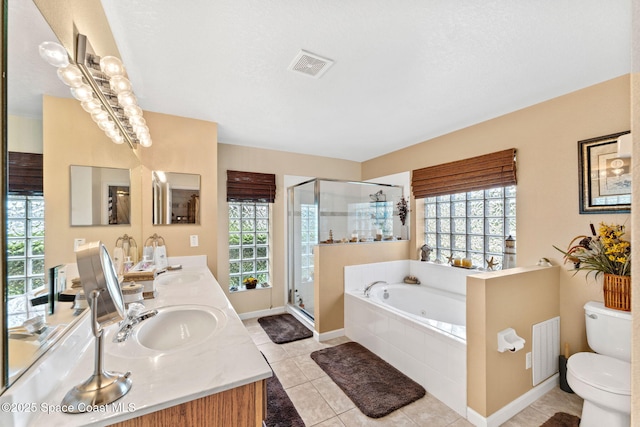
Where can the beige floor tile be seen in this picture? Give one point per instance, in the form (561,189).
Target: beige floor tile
(309,403)
(331,422)
(288,373)
(460,422)
(559,401)
(429,411)
(528,417)
(301,347)
(309,367)
(334,396)
(355,418)
(273,352)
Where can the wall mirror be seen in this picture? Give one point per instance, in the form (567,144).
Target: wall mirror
(29,273)
(176,198)
(100,196)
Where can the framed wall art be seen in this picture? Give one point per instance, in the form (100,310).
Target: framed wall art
(605,177)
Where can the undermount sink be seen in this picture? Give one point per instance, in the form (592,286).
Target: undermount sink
(177,278)
(179,326)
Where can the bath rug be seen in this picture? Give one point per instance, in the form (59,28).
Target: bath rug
(284,328)
(280,409)
(562,419)
(374,386)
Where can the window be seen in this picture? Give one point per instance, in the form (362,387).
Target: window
(25,256)
(308,239)
(471,225)
(248,243)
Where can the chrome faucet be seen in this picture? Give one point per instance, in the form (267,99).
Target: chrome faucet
(367,290)
(134,316)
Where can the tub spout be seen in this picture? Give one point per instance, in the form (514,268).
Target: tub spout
(370,285)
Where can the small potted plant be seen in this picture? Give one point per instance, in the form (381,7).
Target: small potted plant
(250,282)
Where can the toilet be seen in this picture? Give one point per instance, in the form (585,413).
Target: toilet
(603,378)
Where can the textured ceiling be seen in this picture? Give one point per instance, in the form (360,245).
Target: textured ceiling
(404,71)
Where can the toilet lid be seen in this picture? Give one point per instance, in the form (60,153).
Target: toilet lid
(603,372)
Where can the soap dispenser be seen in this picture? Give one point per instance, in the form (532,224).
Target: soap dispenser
(128,264)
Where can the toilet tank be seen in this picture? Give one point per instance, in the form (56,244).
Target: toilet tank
(608,330)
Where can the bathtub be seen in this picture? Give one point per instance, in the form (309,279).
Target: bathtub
(418,329)
(441,310)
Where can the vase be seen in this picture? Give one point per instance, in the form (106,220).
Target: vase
(617,292)
(404,232)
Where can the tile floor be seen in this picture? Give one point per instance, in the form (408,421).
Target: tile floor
(321,403)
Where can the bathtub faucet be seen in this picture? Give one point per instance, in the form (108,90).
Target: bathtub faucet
(370,285)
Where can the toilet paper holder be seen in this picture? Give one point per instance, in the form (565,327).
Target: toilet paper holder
(508,340)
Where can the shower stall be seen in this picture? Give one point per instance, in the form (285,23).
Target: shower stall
(323,211)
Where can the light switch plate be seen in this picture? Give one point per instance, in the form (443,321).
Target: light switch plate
(528,362)
(193,240)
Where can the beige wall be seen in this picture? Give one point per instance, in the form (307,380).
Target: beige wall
(72,138)
(516,298)
(24,134)
(545,136)
(233,157)
(328,286)
(185,146)
(179,145)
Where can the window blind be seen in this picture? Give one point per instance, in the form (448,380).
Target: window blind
(250,187)
(25,174)
(477,173)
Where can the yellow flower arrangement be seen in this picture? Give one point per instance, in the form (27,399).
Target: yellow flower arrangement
(607,252)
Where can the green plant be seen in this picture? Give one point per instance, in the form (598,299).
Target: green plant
(606,252)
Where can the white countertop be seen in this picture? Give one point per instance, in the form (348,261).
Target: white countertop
(160,379)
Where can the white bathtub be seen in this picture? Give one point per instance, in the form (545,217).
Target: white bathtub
(444,311)
(419,329)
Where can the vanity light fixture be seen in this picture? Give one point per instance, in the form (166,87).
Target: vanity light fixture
(101,86)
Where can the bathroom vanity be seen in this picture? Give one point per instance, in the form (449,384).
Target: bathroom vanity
(193,363)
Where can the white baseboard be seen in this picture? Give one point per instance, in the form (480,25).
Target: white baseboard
(506,412)
(326,336)
(261,313)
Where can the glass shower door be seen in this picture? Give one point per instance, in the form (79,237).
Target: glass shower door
(303,235)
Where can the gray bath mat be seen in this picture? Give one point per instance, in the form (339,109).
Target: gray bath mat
(374,386)
(284,328)
(280,409)
(562,419)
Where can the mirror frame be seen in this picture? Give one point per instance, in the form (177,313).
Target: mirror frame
(4,368)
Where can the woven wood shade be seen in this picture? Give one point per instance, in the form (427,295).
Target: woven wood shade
(477,173)
(25,173)
(250,187)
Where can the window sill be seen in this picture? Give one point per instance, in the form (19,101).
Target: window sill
(243,289)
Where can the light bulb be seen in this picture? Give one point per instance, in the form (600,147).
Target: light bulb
(140,129)
(118,139)
(132,111)
(91,106)
(137,121)
(82,93)
(70,75)
(54,54)
(106,125)
(120,84)
(145,140)
(99,116)
(126,99)
(111,66)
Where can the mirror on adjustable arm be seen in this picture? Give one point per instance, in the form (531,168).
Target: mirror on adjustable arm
(176,198)
(100,196)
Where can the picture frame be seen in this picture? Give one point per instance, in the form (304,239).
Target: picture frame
(605,178)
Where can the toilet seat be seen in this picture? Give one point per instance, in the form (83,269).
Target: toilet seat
(603,372)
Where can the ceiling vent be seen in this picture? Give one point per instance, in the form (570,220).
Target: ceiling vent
(310,65)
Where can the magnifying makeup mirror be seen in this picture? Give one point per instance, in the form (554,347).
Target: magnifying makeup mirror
(100,284)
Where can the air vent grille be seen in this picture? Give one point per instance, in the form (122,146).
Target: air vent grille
(310,65)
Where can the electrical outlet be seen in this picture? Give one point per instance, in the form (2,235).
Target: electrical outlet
(77,243)
(528,366)
(193,240)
